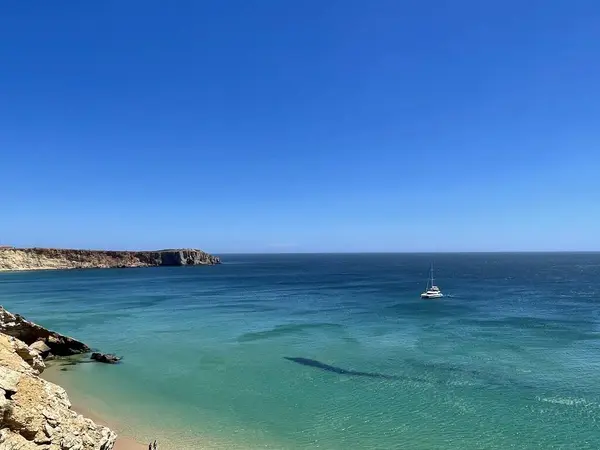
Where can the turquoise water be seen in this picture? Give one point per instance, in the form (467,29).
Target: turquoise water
(509,359)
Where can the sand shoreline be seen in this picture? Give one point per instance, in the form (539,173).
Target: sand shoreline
(123,442)
(129,435)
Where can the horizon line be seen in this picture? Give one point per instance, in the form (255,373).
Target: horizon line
(300,252)
(411,252)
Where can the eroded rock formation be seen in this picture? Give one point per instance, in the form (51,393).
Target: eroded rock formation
(40,339)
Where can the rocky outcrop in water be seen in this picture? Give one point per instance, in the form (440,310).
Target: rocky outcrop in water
(105,358)
(51,258)
(36,414)
(39,339)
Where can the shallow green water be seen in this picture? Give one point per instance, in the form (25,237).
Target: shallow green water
(509,359)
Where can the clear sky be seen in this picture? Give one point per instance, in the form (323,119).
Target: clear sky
(314,125)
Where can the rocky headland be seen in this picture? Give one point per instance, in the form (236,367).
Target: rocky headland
(34,413)
(51,258)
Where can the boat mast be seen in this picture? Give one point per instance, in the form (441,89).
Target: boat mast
(431,274)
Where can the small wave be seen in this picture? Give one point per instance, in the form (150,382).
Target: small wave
(246,307)
(568,401)
(282,330)
(461,383)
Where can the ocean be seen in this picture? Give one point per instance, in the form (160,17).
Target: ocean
(336,351)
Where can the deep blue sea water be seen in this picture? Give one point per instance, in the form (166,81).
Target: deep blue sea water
(510,358)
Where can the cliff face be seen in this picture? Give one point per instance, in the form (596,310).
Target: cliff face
(36,414)
(44,340)
(50,258)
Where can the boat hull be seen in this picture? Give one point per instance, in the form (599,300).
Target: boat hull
(431,296)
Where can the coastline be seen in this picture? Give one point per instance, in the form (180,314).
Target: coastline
(132,432)
(123,442)
(26,259)
(36,408)
(84,421)
(37,413)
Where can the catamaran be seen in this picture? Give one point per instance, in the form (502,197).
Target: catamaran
(432,291)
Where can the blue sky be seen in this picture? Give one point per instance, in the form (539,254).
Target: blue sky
(266,126)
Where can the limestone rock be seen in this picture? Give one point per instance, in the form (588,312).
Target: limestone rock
(105,358)
(52,258)
(41,348)
(36,414)
(10,440)
(30,333)
(31,357)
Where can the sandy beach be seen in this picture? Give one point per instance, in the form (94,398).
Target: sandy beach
(80,403)
(123,442)
(128,444)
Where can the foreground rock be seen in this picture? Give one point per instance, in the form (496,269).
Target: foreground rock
(51,258)
(29,355)
(39,339)
(36,414)
(105,358)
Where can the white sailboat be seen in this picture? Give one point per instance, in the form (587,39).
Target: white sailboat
(432,291)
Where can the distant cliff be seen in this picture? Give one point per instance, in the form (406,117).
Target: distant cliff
(53,258)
